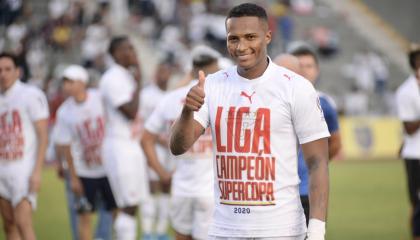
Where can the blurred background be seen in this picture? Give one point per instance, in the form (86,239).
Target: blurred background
(362,45)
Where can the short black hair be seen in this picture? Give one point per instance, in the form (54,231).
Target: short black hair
(304,51)
(412,58)
(248,10)
(11,57)
(115,43)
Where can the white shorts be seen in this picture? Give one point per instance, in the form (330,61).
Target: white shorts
(165,160)
(192,215)
(15,188)
(125,166)
(300,237)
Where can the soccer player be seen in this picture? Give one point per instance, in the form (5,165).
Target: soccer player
(123,159)
(192,183)
(258,113)
(408,103)
(23,143)
(309,68)
(79,132)
(156,208)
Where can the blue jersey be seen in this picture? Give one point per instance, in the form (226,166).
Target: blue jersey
(331,118)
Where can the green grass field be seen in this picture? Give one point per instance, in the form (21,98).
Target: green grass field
(368,202)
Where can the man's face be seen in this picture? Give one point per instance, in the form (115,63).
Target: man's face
(72,88)
(127,53)
(247,40)
(9,73)
(417,67)
(309,67)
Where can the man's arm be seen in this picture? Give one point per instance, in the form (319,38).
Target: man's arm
(41,129)
(411,127)
(316,156)
(148,142)
(334,144)
(130,108)
(186,130)
(75,183)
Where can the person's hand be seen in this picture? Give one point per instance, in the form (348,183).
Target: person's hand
(35,181)
(165,178)
(195,97)
(60,171)
(76,186)
(316,230)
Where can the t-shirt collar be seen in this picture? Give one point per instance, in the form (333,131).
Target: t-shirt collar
(269,66)
(12,89)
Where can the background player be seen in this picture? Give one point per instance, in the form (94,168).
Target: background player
(192,183)
(79,133)
(408,103)
(258,112)
(23,143)
(123,159)
(156,208)
(309,69)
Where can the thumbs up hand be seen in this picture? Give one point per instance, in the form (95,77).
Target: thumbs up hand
(195,97)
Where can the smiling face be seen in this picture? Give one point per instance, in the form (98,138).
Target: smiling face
(247,40)
(9,73)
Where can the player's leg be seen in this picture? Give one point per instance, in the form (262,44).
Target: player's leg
(125,223)
(149,210)
(85,232)
(411,166)
(202,214)
(108,205)
(9,224)
(163,212)
(181,215)
(23,217)
(416,205)
(70,206)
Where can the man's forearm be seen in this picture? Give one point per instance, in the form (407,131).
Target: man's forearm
(41,150)
(412,127)
(182,136)
(130,109)
(148,142)
(318,187)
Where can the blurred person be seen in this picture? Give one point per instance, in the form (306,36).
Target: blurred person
(24,138)
(155,210)
(309,68)
(78,134)
(408,106)
(258,112)
(123,159)
(192,203)
(288,61)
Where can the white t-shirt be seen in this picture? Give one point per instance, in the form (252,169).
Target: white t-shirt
(20,107)
(408,104)
(117,87)
(193,175)
(150,97)
(256,126)
(82,125)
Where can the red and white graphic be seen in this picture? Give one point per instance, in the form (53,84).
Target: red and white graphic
(11,136)
(244,94)
(91,133)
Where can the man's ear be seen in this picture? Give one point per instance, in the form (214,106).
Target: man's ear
(268,37)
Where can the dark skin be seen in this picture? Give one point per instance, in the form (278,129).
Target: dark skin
(125,56)
(247,40)
(413,126)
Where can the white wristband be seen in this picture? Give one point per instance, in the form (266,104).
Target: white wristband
(316,229)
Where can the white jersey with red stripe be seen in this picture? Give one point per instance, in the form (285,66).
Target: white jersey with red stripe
(257,126)
(20,106)
(82,126)
(193,175)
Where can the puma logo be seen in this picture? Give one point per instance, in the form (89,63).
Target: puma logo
(244,94)
(226,74)
(287,76)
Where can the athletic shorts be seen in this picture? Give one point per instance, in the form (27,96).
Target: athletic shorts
(192,215)
(125,166)
(95,188)
(413,178)
(15,188)
(305,205)
(300,237)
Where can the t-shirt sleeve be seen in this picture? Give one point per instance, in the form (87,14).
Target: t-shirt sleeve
(156,122)
(38,106)
(330,115)
(307,115)
(117,91)
(62,131)
(405,109)
(202,116)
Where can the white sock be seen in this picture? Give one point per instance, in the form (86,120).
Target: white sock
(125,227)
(163,217)
(148,214)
